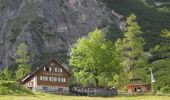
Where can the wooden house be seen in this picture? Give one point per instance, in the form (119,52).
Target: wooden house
(51,77)
(136,87)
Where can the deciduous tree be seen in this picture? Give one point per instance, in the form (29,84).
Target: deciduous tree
(94,59)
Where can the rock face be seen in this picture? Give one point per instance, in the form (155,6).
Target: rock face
(47,26)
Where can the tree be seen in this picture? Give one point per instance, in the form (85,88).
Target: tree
(161,62)
(94,59)
(161,51)
(23,61)
(161,69)
(131,49)
(166,33)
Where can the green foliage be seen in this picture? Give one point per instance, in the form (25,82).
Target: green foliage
(161,62)
(23,61)
(131,49)
(13,88)
(165,90)
(94,59)
(166,34)
(161,71)
(6,74)
(120,81)
(150,19)
(161,51)
(164,9)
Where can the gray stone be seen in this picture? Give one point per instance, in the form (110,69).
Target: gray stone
(47,25)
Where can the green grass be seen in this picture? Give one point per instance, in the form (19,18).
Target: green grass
(59,97)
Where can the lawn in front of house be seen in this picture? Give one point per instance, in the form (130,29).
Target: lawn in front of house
(60,97)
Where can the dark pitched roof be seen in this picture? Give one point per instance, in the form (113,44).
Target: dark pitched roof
(28,76)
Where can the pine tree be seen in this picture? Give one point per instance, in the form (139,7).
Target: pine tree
(23,61)
(131,48)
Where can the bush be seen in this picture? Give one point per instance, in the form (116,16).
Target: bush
(13,88)
(165,90)
(3,90)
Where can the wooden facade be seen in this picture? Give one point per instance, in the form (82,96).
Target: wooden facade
(138,88)
(51,77)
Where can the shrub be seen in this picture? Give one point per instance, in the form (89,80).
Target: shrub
(165,90)
(13,88)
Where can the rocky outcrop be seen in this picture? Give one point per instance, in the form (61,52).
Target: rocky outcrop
(47,26)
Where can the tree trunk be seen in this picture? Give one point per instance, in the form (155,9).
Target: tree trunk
(97,82)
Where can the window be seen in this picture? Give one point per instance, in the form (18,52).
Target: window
(55,69)
(50,78)
(91,90)
(46,68)
(50,69)
(60,89)
(45,88)
(60,70)
(55,79)
(59,79)
(64,79)
(41,78)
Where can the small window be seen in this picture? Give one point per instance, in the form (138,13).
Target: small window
(55,79)
(50,69)
(59,79)
(60,89)
(41,78)
(55,69)
(45,78)
(64,80)
(50,79)
(45,88)
(60,70)
(46,69)
(91,90)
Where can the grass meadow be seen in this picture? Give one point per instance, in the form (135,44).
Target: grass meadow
(60,97)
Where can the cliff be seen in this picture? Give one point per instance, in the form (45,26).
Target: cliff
(48,27)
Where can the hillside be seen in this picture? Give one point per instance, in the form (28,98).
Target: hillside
(152,18)
(48,28)
(51,28)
